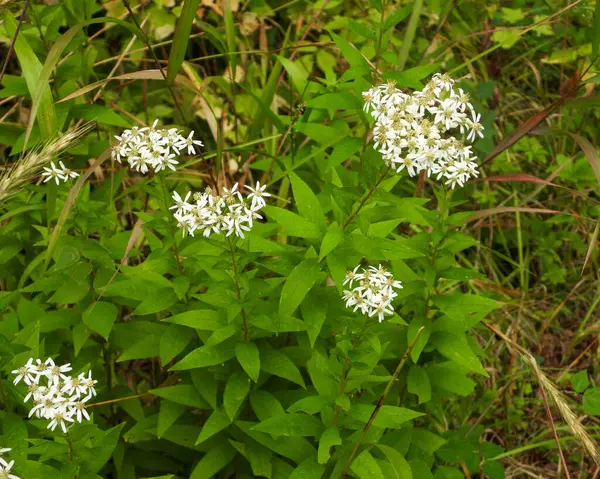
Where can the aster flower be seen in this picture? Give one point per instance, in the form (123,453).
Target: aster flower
(5,468)
(229,212)
(420,131)
(371,291)
(52,173)
(55,395)
(152,147)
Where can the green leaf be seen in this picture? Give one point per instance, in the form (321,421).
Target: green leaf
(298,75)
(295,425)
(185,394)
(399,464)
(309,405)
(343,150)
(249,359)
(352,55)
(333,237)
(494,469)
(329,438)
(365,466)
(236,390)
(293,224)
(265,405)
(278,364)
(181,38)
(396,17)
(314,312)
(418,383)
(203,319)
(420,470)
(412,77)
(100,317)
(32,69)
(308,469)
(169,413)
(259,456)
(172,342)
(335,101)
(580,381)
(205,356)
(388,416)
(306,201)
(450,377)
(216,422)
(155,303)
(298,284)
(454,346)
(100,114)
(213,461)
(591,401)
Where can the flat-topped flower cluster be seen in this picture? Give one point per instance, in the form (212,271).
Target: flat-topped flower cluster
(228,212)
(373,293)
(56,396)
(152,147)
(419,131)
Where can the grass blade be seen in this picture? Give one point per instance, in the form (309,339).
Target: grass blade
(181,38)
(409,35)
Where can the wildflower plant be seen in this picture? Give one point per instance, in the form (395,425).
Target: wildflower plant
(278,307)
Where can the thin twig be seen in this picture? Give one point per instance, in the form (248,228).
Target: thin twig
(366,197)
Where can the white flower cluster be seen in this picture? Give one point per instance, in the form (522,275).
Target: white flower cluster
(5,467)
(62,398)
(229,212)
(374,293)
(56,174)
(153,147)
(418,131)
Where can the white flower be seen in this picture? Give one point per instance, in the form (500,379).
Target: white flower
(62,398)
(189,143)
(229,213)
(52,173)
(5,468)
(66,173)
(5,449)
(419,131)
(181,205)
(152,147)
(26,373)
(374,293)
(257,196)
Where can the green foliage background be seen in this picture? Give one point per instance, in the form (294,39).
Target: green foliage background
(96,274)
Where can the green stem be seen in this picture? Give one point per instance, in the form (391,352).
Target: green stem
(366,197)
(171,230)
(238,292)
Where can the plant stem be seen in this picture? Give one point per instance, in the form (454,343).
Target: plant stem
(367,196)
(237,289)
(112,401)
(379,40)
(171,231)
(382,398)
